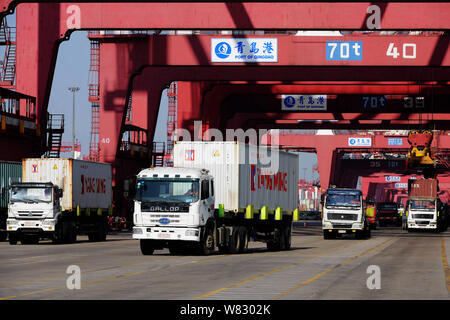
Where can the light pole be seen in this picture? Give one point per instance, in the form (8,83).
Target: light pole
(73,89)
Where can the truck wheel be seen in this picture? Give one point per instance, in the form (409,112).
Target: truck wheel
(328,235)
(207,243)
(101,233)
(272,246)
(287,237)
(69,232)
(243,240)
(12,238)
(146,247)
(234,244)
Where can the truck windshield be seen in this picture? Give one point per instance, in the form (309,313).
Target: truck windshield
(343,200)
(20,194)
(167,190)
(387,206)
(427,205)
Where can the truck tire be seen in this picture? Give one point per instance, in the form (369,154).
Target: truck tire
(328,235)
(69,232)
(12,238)
(100,234)
(207,243)
(279,241)
(234,244)
(243,240)
(287,237)
(146,247)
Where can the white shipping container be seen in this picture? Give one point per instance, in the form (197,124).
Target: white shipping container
(240,175)
(84,183)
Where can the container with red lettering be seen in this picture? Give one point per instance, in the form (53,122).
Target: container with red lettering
(85,184)
(244,174)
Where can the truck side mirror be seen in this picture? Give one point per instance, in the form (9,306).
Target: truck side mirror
(60,193)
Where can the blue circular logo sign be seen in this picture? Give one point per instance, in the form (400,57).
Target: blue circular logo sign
(289,101)
(164,221)
(352,141)
(222,50)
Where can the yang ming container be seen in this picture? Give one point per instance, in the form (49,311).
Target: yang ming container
(242,175)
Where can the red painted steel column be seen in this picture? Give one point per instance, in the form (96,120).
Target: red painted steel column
(37,49)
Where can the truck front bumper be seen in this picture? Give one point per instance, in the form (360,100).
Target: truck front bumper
(165,233)
(422,225)
(342,227)
(30,226)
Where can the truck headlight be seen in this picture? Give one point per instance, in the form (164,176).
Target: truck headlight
(48,222)
(191,233)
(12,222)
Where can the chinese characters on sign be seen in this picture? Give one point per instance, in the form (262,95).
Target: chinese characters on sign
(359,142)
(244,50)
(295,102)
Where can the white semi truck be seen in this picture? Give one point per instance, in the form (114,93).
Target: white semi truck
(424,209)
(215,197)
(58,199)
(343,213)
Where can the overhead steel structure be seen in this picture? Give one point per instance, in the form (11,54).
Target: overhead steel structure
(153,62)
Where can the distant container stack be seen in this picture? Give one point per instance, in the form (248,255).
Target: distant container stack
(308,196)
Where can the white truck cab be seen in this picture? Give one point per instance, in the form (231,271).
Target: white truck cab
(173,205)
(32,211)
(422,214)
(343,213)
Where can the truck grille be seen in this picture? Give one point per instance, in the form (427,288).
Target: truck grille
(422,222)
(423,216)
(30,213)
(174,218)
(165,216)
(342,226)
(342,216)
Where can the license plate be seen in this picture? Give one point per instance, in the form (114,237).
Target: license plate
(342,231)
(164,235)
(30,224)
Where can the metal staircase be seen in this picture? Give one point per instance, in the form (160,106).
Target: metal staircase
(94,97)
(158,153)
(55,130)
(8,68)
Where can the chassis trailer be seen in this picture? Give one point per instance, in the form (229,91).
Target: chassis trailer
(59,199)
(211,199)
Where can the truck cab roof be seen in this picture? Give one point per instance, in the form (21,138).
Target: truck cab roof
(344,190)
(173,172)
(32,185)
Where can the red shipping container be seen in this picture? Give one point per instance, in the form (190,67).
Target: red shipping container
(426,188)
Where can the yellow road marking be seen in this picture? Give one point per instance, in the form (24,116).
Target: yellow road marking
(269,272)
(328,271)
(445,264)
